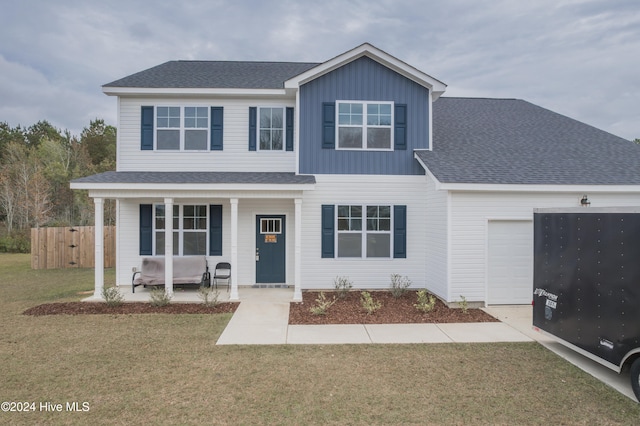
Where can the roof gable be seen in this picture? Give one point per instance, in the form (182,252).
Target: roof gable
(510,141)
(437,87)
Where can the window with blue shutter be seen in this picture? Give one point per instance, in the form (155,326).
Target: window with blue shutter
(400,128)
(217,121)
(253,113)
(146,229)
(328,231)
(328,125)
(215,230)
(289,129)
(146,128)
(400,232)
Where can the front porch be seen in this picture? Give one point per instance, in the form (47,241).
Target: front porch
(251,220)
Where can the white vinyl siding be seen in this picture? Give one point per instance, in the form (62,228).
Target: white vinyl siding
(235,155)
(470,214)
(128,232)
(363,190)
(436,240)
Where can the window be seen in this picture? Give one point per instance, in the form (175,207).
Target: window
(271,129)
(174,133)
(372,240)
(365,125)
(189,229)
(270,226)
(168,122)
(196,125)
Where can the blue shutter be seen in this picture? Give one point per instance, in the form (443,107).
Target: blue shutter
(253,112)
(400,232)
(215,230)
(217,121)
(146,229)
(400,132)
(146,128)
(289,130)
(328,231)
(328,125)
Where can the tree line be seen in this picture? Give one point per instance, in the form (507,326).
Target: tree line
(36,165)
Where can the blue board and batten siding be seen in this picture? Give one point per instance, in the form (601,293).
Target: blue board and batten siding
(367,80)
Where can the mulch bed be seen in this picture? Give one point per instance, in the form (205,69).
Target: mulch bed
(80,308)
(393,311)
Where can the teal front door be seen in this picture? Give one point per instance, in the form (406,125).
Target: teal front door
(270,249)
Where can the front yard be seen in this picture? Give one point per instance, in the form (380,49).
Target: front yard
(160,368)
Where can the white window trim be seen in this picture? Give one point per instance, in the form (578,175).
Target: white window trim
(364,125)
(180,230)
(275,219)
(364,232)
(284,128)
(181,129)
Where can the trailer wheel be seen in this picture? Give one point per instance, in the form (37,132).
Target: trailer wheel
(635,378)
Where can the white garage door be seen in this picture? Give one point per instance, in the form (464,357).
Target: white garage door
(510,258)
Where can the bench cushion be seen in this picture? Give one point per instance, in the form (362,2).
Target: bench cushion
(186,270)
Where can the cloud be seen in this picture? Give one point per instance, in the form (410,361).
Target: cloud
(578,58)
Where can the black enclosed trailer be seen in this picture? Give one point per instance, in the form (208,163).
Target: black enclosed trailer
(586,283)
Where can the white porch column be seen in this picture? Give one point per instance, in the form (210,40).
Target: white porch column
(168,246)
(234,249)
(99,247)
(297,292)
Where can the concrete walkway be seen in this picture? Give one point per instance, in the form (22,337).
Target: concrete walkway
(263,316)
(263,319)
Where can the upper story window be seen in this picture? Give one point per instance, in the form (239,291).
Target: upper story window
(364,125)
(182,128)
(271,129)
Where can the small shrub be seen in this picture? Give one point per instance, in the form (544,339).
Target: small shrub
(368,303)
(322,304)
(399,285)
(464,305)
(342,286)
(209,296)
(159,297)
(16,243)
(112,296)
(426,301)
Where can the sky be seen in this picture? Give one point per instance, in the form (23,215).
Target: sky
(579,58)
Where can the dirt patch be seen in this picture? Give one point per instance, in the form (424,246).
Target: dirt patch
(80,308)
(393,311)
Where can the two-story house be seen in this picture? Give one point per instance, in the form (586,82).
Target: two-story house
(296,173)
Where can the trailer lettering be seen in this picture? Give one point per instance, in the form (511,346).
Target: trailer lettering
(544,293)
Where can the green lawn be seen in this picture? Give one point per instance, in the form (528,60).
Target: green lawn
(164,369)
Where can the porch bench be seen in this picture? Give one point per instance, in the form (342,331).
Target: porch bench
(186,270)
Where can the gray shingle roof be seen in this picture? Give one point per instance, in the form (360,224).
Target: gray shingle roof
(198,178)
(509,141)
(215,74)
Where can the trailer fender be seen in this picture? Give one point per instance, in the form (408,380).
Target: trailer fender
(630,357)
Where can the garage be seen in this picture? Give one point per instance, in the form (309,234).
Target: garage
(510,262)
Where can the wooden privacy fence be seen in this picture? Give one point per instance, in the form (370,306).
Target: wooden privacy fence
(70,247)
